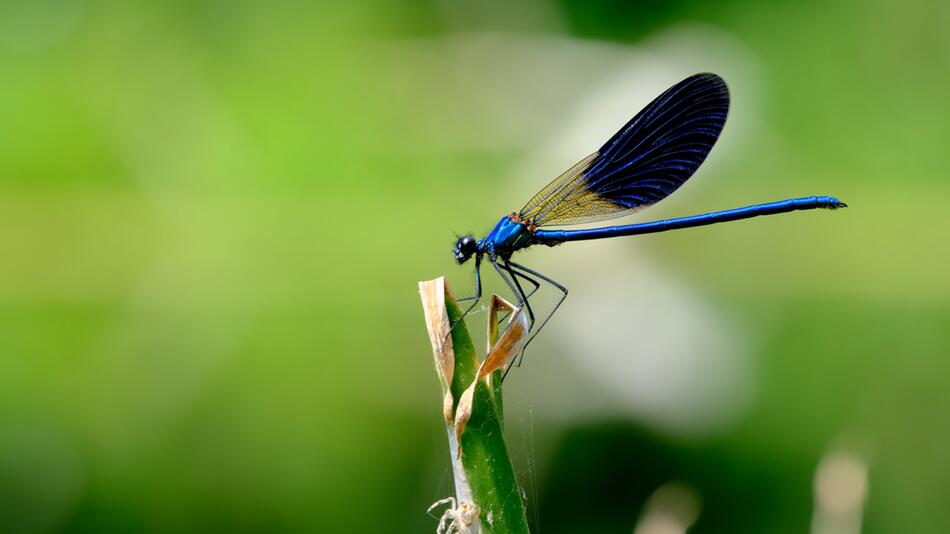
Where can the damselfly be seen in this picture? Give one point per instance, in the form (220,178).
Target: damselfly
(643,163)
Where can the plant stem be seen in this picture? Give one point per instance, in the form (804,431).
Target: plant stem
(483,471)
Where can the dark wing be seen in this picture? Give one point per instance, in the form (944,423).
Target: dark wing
(643,163)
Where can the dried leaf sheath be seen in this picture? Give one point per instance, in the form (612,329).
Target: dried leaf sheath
(438,325)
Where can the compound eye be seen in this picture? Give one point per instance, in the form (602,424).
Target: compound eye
(467,244)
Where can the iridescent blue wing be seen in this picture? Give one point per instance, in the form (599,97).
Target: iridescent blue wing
(643,163)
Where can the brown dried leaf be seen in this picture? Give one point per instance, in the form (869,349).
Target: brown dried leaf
(497,303)
(437,324)
(508,345)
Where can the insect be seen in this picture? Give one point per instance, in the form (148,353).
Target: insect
(456,519)
(643,163)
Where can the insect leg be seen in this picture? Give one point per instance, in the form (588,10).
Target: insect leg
(526,278)
(537,285)
(475,298)
(516,289)
(522,270)
(478,282)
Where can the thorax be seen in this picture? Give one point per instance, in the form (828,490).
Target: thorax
(509,235)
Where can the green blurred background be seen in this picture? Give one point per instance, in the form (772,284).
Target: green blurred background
(213,216)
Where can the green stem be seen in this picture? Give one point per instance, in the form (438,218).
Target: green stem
(485,462)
